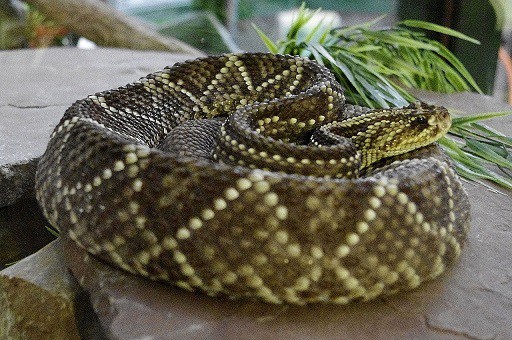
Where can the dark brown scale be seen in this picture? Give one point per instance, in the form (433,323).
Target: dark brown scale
(200,145)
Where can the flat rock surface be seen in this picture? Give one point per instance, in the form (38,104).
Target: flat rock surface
(472,300)
(36,88)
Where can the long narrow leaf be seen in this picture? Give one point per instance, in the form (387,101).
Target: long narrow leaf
(366,25)
(402,41)
(375,93)
(477,172)
(465,132)
(437,28)
(491,133)
(488,130)
(457,64)
(475,177)
(457,121)
(488,153)
(338,64)
(477,169)
(266,40)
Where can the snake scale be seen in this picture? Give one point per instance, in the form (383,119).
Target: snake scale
(248,176)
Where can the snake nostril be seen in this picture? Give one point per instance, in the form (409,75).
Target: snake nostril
(432,120)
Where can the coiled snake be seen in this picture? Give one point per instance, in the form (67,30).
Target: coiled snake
(247,176)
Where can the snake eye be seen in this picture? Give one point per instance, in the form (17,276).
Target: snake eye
(421,120)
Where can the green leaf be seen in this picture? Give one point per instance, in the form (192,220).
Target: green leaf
(326,30)
(303,17)
(437,28)
(494,134)
(316,55)
(365,48)
(487,153)
(52,231)
(266,40)
(457,121)
(488,130)
(457,64)
(472,166)
(335,63)
(400,40)
(474,176)
(375,93)
(343,31)
(495,141)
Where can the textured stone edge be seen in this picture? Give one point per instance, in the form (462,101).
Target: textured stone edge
(17,181)
(28,311)
(38,297)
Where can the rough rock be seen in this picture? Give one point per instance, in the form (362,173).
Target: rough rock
(17,181)
(37,298)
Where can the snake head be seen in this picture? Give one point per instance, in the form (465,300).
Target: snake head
(383,133)
(424,124)
(433,121)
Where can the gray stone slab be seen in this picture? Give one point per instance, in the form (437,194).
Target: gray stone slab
(468,103)
(59,76)
(37,86)
(25,131)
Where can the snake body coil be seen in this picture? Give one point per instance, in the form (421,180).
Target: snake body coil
(248,176)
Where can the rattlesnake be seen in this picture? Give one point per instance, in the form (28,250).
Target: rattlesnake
(222,174)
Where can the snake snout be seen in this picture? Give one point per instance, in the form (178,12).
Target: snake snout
(441,118)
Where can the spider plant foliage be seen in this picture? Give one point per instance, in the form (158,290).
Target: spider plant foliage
(377,66)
